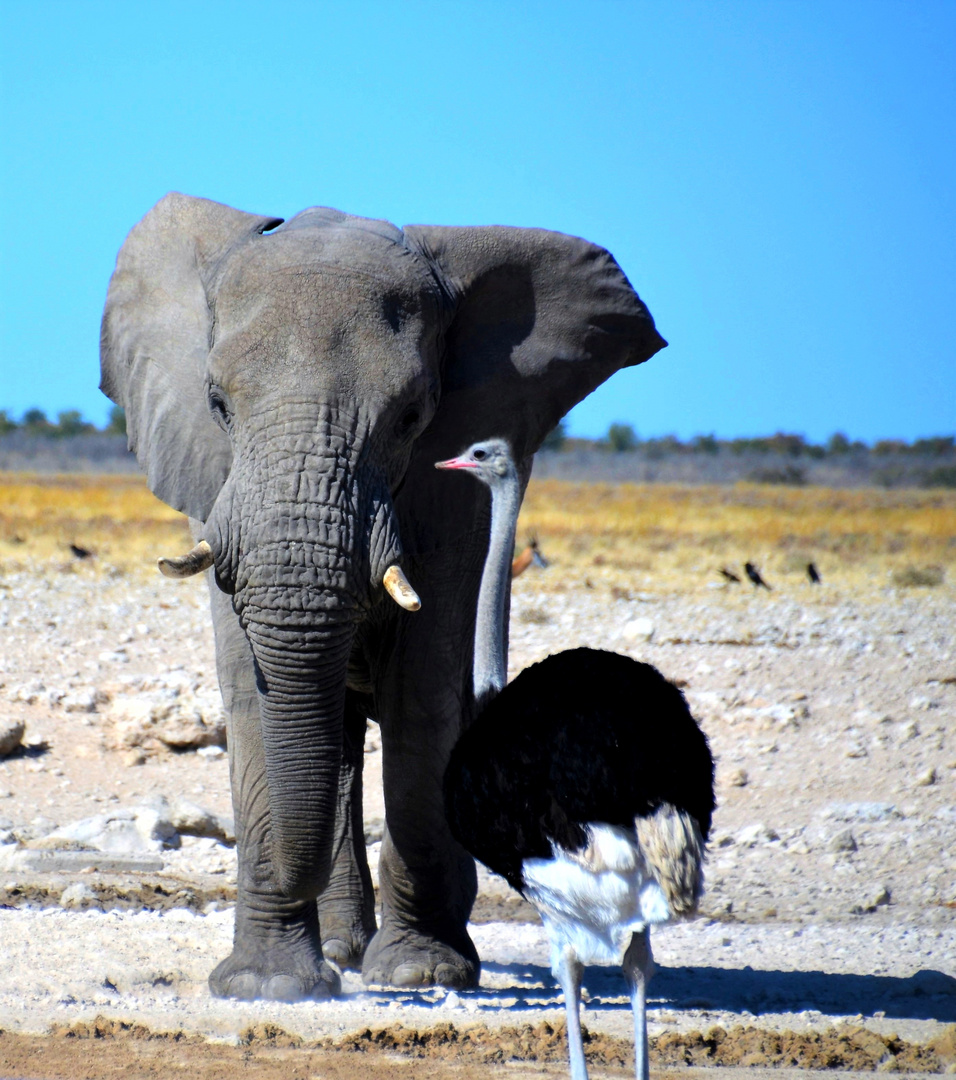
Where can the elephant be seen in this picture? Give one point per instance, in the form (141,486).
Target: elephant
(288,386)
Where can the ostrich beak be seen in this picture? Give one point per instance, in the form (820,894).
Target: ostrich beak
(456,463)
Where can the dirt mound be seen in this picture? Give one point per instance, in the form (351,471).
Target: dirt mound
(853,1048)
(849,1048)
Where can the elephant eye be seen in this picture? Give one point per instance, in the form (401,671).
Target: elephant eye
(410,420)
(393,308)
(218,407)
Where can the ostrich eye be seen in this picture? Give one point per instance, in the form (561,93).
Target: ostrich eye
(480,455)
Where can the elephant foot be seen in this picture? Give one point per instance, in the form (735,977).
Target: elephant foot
(399,956)
(274,975)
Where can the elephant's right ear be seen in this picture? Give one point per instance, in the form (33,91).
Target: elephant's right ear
(155,337)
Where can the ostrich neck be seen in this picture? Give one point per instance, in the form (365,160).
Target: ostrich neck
(491,642)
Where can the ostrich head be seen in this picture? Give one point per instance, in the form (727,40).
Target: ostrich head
(490,461)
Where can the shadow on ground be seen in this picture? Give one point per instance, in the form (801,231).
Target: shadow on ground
(927,995)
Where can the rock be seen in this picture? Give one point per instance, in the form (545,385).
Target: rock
(856,750)
(374,830)
(77,895)
(926,778)
(122,831)
(878,896)
(192,820)
(211,753)
(79,703)
(738,778)
(908,730)
(862,811)
(637,631)
(71,862)
(11,735)
(752,835)
(175,716)
(843,841)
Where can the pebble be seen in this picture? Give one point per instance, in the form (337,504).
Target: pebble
(843,841)
(11,736)
(926,778)
(637,631)
(76,895)
(738,778)
(752,835)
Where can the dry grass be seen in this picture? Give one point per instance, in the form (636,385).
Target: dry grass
(115,517)
(639,534)
(619,537)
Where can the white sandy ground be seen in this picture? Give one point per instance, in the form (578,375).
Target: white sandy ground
(832,872)
(59,967)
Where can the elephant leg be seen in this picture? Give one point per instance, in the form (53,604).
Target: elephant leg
(427,881)
(347,904)
(276,948)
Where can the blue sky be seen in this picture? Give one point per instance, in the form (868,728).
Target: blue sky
(776,178)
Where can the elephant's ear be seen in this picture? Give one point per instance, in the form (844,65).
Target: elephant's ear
(539,320)
(155,336)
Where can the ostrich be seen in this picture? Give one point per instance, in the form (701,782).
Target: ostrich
(586,784)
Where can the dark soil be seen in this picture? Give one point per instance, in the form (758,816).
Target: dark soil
(108,1048)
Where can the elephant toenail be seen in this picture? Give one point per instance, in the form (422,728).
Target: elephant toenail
(409,975)
(245,987)
(337,951)
(282,988)
(448,975)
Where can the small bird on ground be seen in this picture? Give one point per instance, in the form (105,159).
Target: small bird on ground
(586,783)
(531,556)
(754,574)
(813,574)
(81,552)
(729,575)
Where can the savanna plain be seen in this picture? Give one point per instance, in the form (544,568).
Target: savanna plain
(827,935)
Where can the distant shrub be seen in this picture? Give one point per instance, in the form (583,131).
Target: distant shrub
(70,423)
(912,577)
(656,449)
(838,443)
(890,446)
(943,476)
(891,476)
(941,444)
(621,438)
(705,444)
(116,424)
(787,474)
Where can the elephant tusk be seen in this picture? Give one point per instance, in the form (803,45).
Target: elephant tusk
(183,566)
(398,588)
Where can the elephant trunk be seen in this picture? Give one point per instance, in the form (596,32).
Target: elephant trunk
(301,680)
(303,533)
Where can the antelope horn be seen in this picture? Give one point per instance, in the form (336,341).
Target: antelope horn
(183,566)
(398,588)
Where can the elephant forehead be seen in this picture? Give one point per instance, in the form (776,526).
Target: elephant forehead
(305,260)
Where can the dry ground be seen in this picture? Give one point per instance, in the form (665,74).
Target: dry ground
(827,938)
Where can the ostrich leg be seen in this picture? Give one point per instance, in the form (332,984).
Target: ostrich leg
(638,968)
(567,969)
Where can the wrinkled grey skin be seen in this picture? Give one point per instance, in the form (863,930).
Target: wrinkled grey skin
(290,389)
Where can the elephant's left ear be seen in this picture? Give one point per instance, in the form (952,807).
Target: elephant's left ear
(539,319)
